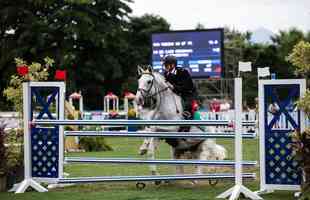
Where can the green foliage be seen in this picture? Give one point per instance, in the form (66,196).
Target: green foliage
(284,42)
(239,48)
(94,144)
(15,149)
(301,148)
(11,151)
(304,103)
(3,155)
(234,45)
(82,36)
(300,57)
(37,72)
(138,50)
(100,44)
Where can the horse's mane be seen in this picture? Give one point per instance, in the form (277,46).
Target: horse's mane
(160,78)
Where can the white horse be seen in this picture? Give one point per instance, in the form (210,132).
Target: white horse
(157,101)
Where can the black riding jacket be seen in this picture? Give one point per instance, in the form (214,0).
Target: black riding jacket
(182,82)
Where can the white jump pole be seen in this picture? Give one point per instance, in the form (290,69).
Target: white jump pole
(81,104)
(234,192)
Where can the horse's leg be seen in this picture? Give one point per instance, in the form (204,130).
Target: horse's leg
(154,142)
(143,149)
(179,169)
(203,154)
(148,147)
(151,155)
(144,146)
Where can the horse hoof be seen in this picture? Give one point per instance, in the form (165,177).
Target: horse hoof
(213,182)
(140,185)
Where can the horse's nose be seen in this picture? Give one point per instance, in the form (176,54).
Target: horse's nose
(139,100)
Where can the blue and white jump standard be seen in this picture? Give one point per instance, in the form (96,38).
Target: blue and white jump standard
(278,169)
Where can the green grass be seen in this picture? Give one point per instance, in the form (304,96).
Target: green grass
(128,147)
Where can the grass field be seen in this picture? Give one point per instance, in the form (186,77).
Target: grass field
(128,147)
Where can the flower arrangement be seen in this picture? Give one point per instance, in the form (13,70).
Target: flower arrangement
(11,142)
(33,72)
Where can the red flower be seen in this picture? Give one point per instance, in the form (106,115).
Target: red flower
(61,75)
(22,70)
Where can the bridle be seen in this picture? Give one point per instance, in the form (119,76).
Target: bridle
(146,93)
(151,98)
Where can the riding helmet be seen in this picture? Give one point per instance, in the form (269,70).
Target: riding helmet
(170,60)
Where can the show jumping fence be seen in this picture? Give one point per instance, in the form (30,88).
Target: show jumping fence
(44,146)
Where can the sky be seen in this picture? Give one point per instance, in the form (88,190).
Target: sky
(242,15)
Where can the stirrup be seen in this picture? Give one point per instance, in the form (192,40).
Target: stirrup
(186,115)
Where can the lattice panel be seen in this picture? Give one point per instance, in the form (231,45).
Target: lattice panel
(44,140)
(280,166)
(45,152)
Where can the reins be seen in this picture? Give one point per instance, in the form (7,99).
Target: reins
(146,93)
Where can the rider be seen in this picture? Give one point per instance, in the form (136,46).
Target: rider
(182,84)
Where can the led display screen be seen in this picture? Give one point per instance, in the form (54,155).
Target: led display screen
(200,52)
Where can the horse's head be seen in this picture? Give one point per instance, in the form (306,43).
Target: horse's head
(146,87)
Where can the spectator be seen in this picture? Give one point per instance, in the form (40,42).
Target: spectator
(215,105)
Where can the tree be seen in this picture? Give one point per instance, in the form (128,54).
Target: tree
(234,44)
(82,35)
(300,58)
(237,47)
(284,43)
(139,49)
